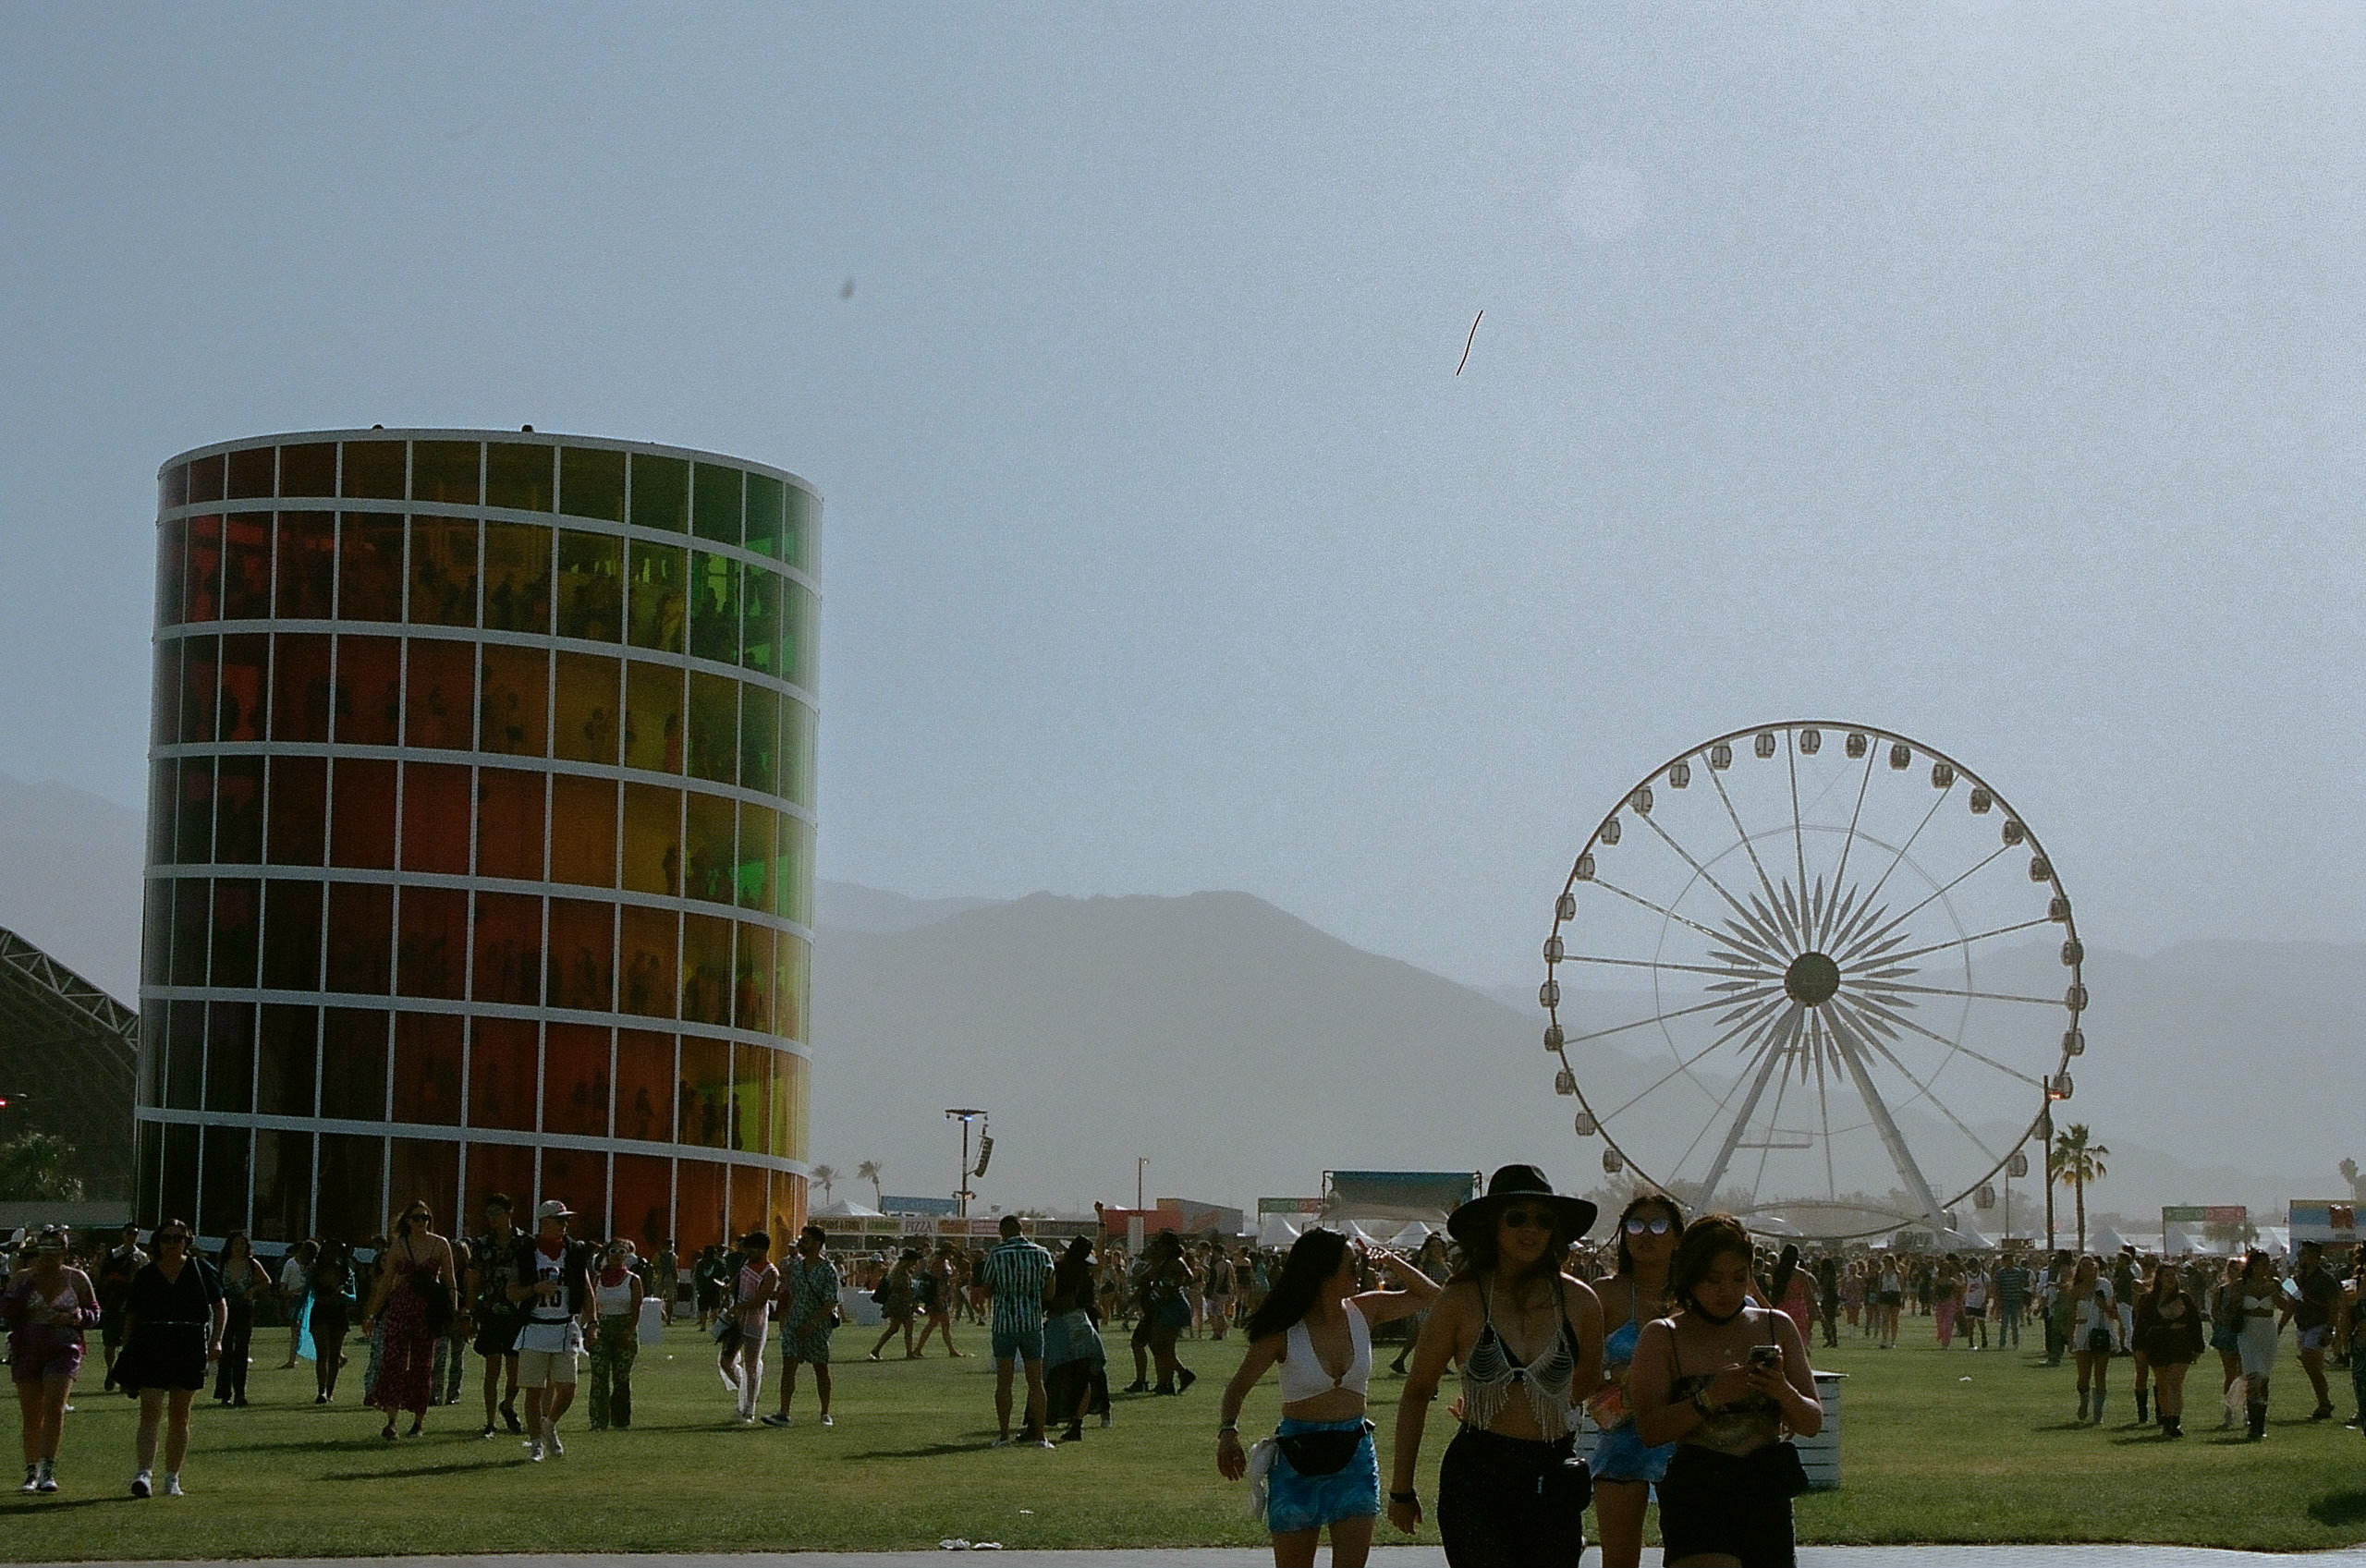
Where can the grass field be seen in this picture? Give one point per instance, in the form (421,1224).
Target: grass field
(1938,1446)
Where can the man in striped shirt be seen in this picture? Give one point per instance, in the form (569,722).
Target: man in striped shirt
(1018,1273)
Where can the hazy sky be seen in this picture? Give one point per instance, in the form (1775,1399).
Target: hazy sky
(1972,371)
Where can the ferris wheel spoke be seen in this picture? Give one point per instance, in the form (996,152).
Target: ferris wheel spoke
(1900,1020)
(1767,1025)
(1798,834)
(1663,1017)
(1747,846)
(1759,1013)
(1861,1074)
(1932,1094)
(1957,941)
(1840,872)
(1721,971)
(1979,995)
(1973,869)
(1770,1057)
(1900,858)
(1823,1102)
(1784,1057)
(1657,909)
(1701,870)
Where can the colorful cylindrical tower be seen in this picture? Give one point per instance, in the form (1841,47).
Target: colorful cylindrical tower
(480,836)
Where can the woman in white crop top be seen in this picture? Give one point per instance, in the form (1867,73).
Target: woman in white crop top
(1320,1468)
(615,1336)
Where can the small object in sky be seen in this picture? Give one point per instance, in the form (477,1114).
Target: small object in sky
(846,289)
(1468,341)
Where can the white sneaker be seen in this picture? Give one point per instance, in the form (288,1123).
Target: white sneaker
(47,1481)
(558,1449)
(32,1478)
(1001,1442)
(533,1453)
(173,1483)
(828,1421)
(1045,1442)
(139,1484)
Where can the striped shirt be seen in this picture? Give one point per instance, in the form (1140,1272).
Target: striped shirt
(2012,1287)
(1014,1271)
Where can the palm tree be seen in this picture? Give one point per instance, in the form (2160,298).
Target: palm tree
(871,1171)
(825,1174)
(2076,1159)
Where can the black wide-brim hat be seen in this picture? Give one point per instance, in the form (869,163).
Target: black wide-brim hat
(1520,1181)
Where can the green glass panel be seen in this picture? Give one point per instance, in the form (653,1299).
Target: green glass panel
(592,483)
(796,724)
(766,509)
(793,871)
(760,597)
(799,635)
(655,601)
(591,586)
(714,504)
(661,493)
(797,533)
(517,475)
(714,727)
(714,608)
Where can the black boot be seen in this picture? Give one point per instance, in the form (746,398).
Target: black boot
(2174,1426)
(2083,1406)
(2258,1420)
(2143,1406)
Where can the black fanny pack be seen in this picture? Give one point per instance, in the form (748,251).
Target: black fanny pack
(1322,1453)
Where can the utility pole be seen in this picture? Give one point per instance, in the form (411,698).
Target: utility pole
(964,1114)
(1141,1164)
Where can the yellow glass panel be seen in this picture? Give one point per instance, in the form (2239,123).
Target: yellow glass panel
(586,730)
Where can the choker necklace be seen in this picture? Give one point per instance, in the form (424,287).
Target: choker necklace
(1713,1321)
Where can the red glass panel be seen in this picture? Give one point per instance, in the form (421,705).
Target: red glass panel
(430,954)
(509,948)
(373,470)
(283,1186)
(370,567)
(202,591)
(300,687)
(644,1086)
(513,712)
(427,1067)
(353,1065)
(647,962)
(705,1093)
(440,694)
(698,1206)
(644,1201)
(237,914)
(362,820)
(184,1059)
(360,937)
(251,476)
(308,469)
(423,1170)
(751,976)
(164,695)
(581,958)
(706,970)
(653,839)
(504,1057)
(194,817)
(580,1178)
(172,563)
(201,672)
(575,1079)
(205,479)
(708,822)
(299,810)
(288,1063)
(230,1059)
(237,826)
(435,817)
(509,824)
(291,948)
(245,566)
(503,1168)
(352,1172)
(246,683)
(583,830)
(306,589)
(368,690)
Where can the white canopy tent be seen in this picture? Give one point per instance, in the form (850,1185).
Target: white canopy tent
(846,1208)
(1275,1229)
(1411,1236)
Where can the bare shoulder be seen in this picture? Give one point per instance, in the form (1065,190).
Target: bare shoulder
(1579,1294)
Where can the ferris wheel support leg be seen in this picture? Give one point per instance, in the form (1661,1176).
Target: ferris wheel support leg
(1853,1055)
(1777,1038)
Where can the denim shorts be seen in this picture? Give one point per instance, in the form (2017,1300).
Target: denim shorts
(1308,1503)
(1019,1345)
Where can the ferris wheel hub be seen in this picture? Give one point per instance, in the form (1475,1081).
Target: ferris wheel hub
(1812,980)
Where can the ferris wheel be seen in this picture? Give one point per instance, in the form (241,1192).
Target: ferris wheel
(1814,969)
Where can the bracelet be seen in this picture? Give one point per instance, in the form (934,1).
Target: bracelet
(1701,1401)
(1408,1496)
(1230,1429)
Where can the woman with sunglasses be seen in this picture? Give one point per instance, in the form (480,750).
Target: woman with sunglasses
(48,1307)
(173,1321)
(1625,1469)
(412,1303)
(1528,1336)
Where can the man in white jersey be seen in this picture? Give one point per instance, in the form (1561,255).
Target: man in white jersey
(554,1285)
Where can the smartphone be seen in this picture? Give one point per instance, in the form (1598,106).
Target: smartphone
(1768,1357)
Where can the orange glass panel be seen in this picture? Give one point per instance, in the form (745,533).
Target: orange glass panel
(653,718)
(506,1169)
(438,695)
(368,690)
(698,1206)
(360,937)
(751,980)
(751,1099)
(298,825)
(504,1057)
(427,1067)
(201,589)
(246,685)
(644,1086)
(705,1093)
(289,1062)
(193,812)
(291,948)
(353,1065)
(424,1171)
(708,822)
(653,839)
(373,470)
(509,823)
(591,586)
(431,942)
(200,673)
(251,476)
(299,685)
(306,589)
(361,816)
(586,730)
(575,1080)
(508,948)
(435,817)
(370,567)
(706,970)
(792,976)
(581,956)
(647,962)
(790,1138)
(715,728)
(583,830)
(644,1201)
(237,917)
(230,1059)
(444,571)
(517,577)
(205,479)
(443,470)
(580,1178)
(237,808)
(352,1188)
(308,469)
(750,1199)
(513,713)
(245,566)
(517,475)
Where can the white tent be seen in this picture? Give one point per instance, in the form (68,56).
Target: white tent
(1965,1241)
(1274,1230)
(2104,1241)
(846,1208)
(1413,1236)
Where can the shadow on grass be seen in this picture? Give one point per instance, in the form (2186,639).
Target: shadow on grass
(413,1471)
(926,1451)
(2340,1509)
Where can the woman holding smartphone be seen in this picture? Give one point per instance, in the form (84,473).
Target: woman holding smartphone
(1724,1382)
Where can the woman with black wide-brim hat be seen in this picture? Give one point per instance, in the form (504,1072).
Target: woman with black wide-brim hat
(1511,1490)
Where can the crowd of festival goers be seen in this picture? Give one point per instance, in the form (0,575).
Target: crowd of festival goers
(1680,1348)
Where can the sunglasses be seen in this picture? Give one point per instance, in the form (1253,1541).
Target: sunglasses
(172,1235)
(1529,1219)
(1657,1225)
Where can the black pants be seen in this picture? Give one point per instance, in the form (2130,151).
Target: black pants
(1072,1384)
(1493,1511)
(1713,1503)
(238,1339)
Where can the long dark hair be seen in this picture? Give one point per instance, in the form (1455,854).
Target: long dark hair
(1645,1200)
(1314,1257)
